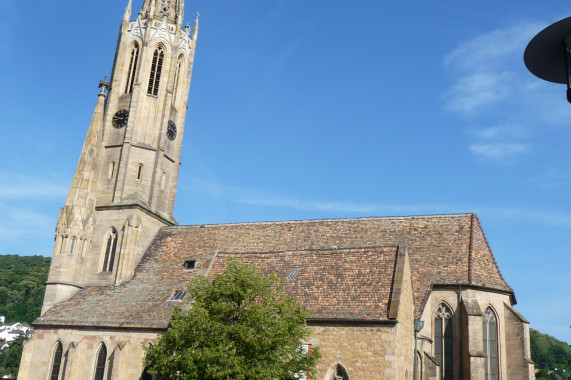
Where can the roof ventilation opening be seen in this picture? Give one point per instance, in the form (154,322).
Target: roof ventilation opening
(178,295)
(189,265)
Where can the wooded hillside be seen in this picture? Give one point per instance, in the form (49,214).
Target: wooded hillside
(22,286)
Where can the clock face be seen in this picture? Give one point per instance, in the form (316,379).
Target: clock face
(171,130)
(120,119)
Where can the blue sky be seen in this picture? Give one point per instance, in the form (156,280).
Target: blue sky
(318,109)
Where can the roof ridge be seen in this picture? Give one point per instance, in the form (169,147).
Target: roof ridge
(309,221)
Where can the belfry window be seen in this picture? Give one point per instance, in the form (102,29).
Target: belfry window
(57,362)
(443,343)
(177,77)
(156,69)
(110,249)
(489,327)
(132,69)
(100,364)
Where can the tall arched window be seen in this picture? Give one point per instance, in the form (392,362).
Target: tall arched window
(443,343)
(340,373)
(110,248)
(177,76)
(72,245)
(100,364)
(490,329)
(156,69)
(56,362)
(132,71)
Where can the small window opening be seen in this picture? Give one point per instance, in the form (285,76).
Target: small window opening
(190,265)
(178,295)
(140,172)
(163,180)
(72,246)
(156,69)
(111,169)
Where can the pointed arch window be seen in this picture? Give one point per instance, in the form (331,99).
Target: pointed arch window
(132,71)
(56,362)
(177,76)
(156,70)
(443,343)
(72,245)
(140,172)
(110,249)
(340,373)
(490,330)
(100,364)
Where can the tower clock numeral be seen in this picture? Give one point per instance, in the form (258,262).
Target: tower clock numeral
(120,119)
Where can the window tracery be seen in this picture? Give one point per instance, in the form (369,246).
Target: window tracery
(156,70)
(443,342)
(56,362)
(100,364)
(110,249)
(490,331)
(132,70)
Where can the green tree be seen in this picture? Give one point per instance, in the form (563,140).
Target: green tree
(240,326)
(10,357)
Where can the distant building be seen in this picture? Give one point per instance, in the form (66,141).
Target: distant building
(9,332)
(390,298)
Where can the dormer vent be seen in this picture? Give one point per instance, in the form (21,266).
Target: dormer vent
(189,265)
(178,295)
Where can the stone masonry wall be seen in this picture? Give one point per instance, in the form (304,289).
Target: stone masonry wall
(366,352)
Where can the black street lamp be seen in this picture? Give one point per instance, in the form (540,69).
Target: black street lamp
(548,54)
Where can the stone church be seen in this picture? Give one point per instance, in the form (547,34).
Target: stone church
(414,297)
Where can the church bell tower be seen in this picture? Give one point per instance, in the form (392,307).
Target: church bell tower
(125,183)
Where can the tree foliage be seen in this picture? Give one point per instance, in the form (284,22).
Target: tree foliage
(549,353)
(240,326)
(22,288)
(10,357)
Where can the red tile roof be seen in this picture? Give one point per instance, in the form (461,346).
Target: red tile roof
(345,266)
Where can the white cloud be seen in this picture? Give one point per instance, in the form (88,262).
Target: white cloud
(256,197)
(490,82)
(15,186)
(499,151)
(472,92)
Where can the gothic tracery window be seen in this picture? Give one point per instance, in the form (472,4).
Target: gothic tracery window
(56,362)
(489,327)
(132,70)
(110,249)
(100,364)
(443,343)
(156,70)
